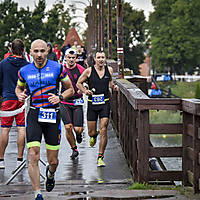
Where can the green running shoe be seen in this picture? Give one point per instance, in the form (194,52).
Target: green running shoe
(100,162)
(93,141)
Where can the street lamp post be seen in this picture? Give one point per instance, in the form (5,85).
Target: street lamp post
(120,50)
(109,30)
(102,24)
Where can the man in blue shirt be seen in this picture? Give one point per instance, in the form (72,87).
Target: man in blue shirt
(42,78)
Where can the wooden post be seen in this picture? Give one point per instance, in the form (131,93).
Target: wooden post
(185,144)
(143,146)
(196,146)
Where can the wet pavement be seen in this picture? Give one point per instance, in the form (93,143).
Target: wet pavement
(80,172)
(80,178)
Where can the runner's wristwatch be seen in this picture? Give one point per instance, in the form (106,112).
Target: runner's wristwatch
(61,97)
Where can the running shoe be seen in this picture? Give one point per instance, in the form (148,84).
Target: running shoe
(93,141)
(2,165)
(39,197)
(49,183)
(79,138)
(75,154)
(100,162)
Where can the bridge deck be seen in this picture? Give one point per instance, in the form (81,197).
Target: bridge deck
(78,174)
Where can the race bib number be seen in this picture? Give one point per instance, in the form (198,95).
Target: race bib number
(78,102)
(98,99)
(47,115)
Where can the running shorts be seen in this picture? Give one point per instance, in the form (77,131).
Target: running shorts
(71,114)
(10,105)
(51,131)
(93,111)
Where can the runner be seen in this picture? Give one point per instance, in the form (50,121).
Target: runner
(99,79)
(71,109)
(42,77)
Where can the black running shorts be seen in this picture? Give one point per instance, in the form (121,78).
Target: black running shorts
(94,111)
(34,130)
(71,114)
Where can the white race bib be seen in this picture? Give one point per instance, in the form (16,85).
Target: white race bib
(98,99)
(47,115)
(78,102)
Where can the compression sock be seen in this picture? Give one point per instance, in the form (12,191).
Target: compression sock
(37,192)
(20,159)
(50,174)
(74,148)
(100,155)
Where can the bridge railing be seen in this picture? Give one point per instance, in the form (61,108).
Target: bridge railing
(130,116)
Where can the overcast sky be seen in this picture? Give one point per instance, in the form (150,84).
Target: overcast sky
(138,4)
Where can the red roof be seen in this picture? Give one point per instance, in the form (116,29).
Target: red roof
(71,37)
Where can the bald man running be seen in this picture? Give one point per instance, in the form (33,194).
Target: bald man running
(42,77)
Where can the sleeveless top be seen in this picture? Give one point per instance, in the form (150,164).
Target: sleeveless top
(42,81)
(101,85)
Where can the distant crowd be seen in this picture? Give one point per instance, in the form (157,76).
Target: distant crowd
(55,53)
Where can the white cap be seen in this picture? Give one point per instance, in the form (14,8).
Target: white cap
(70,51)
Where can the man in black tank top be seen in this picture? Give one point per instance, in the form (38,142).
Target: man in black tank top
(99,79)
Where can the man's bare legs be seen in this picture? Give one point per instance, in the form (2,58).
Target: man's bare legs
(33,168)
(3,141)
(103,134)
(92,126)
(21,141)
(71,138)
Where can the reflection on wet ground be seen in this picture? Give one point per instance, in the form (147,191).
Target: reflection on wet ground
(79,175)
(83,168)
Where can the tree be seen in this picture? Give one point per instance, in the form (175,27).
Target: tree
(9,22)
(27,25)
(174,28)
(58,23)
(133,34)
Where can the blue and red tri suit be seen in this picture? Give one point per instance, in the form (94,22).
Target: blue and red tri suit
(42,81)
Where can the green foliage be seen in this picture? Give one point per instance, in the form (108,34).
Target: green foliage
(28,25)
(134,37)
(197,91)
(174,28)
(165,117)
(184,89)
(143,186)
(181,89)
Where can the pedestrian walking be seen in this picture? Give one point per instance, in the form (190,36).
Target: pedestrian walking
(9,68)
(42,77)
(99,79)
(72,108)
